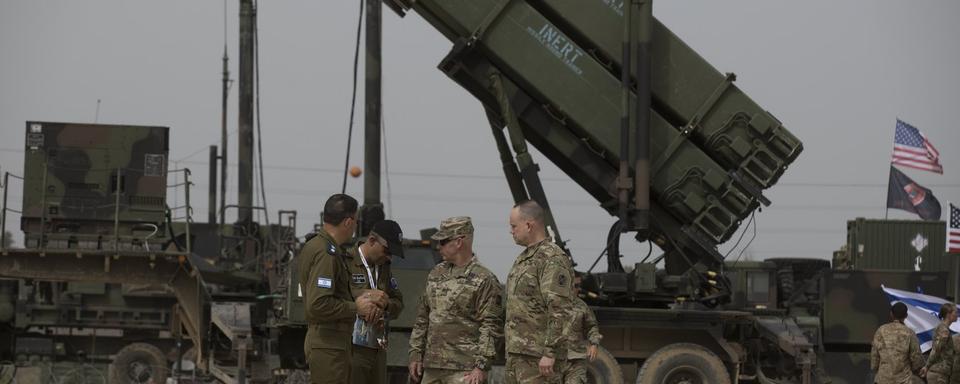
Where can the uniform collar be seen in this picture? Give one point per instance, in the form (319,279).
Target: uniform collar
(532,249)
(355,253)
(329,238)
(464,270)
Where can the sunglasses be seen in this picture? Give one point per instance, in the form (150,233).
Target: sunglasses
(447,240)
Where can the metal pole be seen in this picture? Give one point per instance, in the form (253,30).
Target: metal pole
(187,208)
(641,153)
(212,190)
(223,134)
(510,171)
(623,178)
(3,214)
(372,211)
(248,16)
(116,213)
(43,203)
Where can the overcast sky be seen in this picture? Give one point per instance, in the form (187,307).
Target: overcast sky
(837,73)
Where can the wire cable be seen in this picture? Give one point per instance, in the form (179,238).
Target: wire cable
(754,221)
(353,100)
(386,166)
(743,232)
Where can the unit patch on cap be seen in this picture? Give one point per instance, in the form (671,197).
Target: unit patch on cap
(323,282)
(359,278)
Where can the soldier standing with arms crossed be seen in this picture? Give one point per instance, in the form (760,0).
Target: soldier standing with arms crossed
(895,354)
(584,338)
(539,301)
(370,269)
(329,305)
(460,315)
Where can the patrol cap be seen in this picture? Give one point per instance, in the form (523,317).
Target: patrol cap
(453,227)
(390,231)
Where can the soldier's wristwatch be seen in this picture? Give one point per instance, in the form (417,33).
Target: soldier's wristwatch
(481,365)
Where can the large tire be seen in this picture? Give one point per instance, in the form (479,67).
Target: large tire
(139,363)
(683,363)
(605,369)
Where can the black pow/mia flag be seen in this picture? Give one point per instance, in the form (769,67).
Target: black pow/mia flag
(905,194)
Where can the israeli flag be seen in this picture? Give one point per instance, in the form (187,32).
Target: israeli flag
(922,313)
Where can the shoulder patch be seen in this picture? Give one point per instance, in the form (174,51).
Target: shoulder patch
(323,282)
(562,280)
(394,284)
(331,249)
(359,278)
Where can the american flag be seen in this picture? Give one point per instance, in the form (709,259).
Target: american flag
(953,230)
(912,149)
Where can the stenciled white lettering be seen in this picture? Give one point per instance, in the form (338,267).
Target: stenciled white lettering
(615,5)
(558,45)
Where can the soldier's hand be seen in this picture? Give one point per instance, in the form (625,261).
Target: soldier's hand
(546,366)
(476,376)
(377,296)
(367,309)
(416,371)
(592,352)
(923,372)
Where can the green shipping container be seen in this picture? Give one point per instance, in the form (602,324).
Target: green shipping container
(901,245)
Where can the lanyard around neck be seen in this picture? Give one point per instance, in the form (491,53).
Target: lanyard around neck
(372,276)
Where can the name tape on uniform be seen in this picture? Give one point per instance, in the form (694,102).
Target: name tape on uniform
(359,278)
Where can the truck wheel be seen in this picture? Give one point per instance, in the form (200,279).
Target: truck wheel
(683,363)
(605,369)
(139,363)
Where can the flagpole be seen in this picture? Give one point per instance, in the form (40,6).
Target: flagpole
(886,212)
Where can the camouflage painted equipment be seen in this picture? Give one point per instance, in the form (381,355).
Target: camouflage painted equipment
(902,245)
(452,227)
(549,71)
(86,183)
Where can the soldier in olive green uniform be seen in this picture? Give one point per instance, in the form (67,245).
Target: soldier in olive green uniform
(940,362)
(460,315)
(539,301)
(895,354)
(329,305)
(370,269)
(584,339)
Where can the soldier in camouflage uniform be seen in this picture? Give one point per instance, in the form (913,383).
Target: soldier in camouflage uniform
(370,269)
(584,338)
(895,354)
(539,301)
(330,306)
(955,372)
(940,362)
(460,315)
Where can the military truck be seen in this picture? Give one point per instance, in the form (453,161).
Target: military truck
(665,143)
(658,137)
(113,284)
